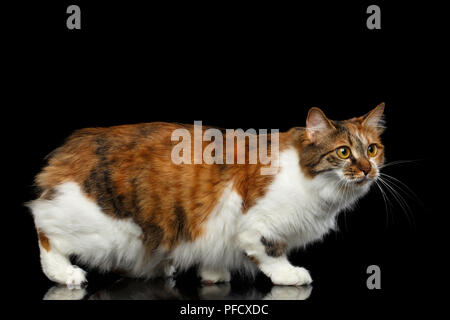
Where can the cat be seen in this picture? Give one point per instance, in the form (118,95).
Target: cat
(113,198)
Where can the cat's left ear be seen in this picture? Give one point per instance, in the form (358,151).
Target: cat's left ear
(375,117)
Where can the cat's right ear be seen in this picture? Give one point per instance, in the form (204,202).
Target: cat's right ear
(317,123)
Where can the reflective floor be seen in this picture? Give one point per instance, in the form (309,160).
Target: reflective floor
(167,289)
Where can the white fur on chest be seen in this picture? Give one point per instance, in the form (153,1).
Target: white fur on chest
(296,209)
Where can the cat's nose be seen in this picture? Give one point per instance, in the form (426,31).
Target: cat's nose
(366,170)
(364,166)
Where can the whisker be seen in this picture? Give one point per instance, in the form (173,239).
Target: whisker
(386,201)
(389,190)
(400,185)
(341,183)
(400,200)
(388,164)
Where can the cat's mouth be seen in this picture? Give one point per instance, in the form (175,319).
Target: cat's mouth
(360,181)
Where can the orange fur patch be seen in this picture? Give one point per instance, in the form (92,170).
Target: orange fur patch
(43,240)
(254,260)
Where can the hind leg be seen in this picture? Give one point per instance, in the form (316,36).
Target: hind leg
(57,267)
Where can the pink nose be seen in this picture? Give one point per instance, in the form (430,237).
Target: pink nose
(366,170)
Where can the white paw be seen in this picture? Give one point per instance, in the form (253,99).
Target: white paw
(214,276)
(169,271)
(288,275)
(76,278)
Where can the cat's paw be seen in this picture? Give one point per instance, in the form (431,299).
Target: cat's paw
(288,275)
(209,276)
(76,278)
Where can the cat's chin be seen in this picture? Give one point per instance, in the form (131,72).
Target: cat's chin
(362,187)
(361,181)
(359,186)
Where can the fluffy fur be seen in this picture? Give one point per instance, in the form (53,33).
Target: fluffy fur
(113,198)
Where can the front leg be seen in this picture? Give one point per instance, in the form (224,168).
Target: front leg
(270,256)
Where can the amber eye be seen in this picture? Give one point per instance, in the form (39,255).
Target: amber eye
(372,150)
(343,152)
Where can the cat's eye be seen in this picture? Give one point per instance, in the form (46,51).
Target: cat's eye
(372,150)
(343,152)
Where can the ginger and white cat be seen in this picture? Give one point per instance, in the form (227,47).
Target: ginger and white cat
(113,198)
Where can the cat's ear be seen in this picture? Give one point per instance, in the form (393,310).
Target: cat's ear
(317,122)
(375,117)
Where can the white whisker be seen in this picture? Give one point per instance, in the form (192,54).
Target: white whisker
(402,187)
(388,164)
(400,200)
(387,204)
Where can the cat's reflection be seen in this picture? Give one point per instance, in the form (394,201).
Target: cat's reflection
(165,289)
(60,292)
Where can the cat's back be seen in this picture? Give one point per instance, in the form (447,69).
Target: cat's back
(88,148)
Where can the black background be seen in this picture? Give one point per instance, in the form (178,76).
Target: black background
(262,65)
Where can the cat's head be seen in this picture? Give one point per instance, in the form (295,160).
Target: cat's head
(349,153)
